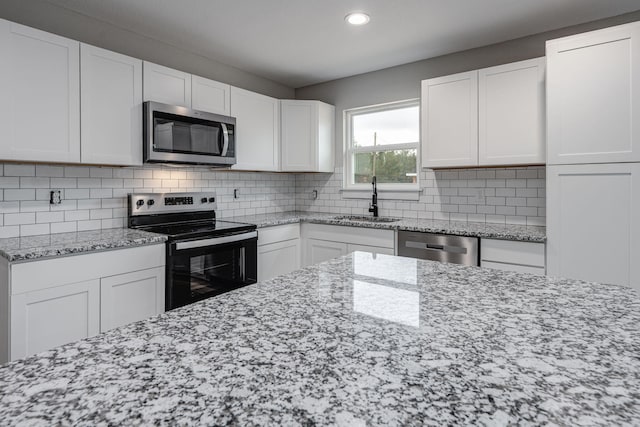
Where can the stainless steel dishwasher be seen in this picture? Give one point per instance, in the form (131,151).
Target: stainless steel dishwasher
(439,247)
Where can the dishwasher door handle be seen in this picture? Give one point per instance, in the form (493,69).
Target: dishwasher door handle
(432,247)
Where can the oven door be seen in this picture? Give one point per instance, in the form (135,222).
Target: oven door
(179,135)
(199,269)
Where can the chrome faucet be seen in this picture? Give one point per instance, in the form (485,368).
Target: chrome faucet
(373,207)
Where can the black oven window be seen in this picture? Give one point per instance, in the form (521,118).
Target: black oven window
(199,276)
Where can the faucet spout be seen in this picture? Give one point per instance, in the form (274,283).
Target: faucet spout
(373,207)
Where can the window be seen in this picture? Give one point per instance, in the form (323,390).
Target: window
(382,140)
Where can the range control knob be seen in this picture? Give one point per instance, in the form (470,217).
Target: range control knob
(203,200)
(212,199)
(150,202)
(139,204)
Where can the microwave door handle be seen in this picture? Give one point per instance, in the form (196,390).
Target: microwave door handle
(225,139)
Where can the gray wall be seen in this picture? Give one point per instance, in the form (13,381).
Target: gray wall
(403,82)
(54,19)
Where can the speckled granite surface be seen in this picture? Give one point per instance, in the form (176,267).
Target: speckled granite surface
(51,245)
(477,229)
(354,341)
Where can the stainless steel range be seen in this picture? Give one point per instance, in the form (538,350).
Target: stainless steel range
(205,256)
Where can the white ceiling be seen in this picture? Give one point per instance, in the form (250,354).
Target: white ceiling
(302,42)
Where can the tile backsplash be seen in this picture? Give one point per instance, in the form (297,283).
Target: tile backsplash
(513,195)
(95,197)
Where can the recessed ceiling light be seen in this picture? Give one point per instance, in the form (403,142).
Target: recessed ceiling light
(357,18)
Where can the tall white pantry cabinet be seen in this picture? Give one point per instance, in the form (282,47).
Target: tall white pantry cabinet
(593,172)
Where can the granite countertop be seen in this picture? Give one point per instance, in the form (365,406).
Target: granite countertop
(51,245)
(460,228)
(353,341)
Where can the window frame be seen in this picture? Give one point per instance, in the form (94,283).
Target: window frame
(349,150)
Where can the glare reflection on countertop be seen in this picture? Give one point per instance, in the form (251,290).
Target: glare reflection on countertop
(387,302)
(386,267)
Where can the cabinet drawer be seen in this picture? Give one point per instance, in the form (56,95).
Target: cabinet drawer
(36,275)
(513,267)
(352,235)
(278,233)
(507,251)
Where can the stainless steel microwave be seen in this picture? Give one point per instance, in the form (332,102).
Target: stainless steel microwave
(175,134)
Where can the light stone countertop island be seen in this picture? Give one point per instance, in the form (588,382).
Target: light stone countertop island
(354,341)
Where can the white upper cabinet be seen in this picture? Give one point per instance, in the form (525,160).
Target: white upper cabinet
(593,96)
(450,120)
(307,136)
(111,105)
(39,88)
(257,130)
(174,87)
(489,117)
(593,222)
(166,85)
(210,95)
(511,114)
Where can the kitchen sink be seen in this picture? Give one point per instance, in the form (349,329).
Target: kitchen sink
(366,218)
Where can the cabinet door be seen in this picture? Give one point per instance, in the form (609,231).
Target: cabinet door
(299,135)
(41,320)
(111,105)
(511,114)
(209,95)
(39,88)
(450,120)
(130,297)
(257,130)
(371,249)
(593,222)
(307,140)
(166,85)
(278,258)
(323,250)
(593,97)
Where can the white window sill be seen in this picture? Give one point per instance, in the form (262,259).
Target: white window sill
(411,195)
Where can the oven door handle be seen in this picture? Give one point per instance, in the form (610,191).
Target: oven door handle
(216,241)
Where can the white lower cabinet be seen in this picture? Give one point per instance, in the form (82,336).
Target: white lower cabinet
(324,242)
(278,258)
(522,257)
(47,318)
(127,298)
(593,222)
(60,300)
(278,250)
(317,250)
